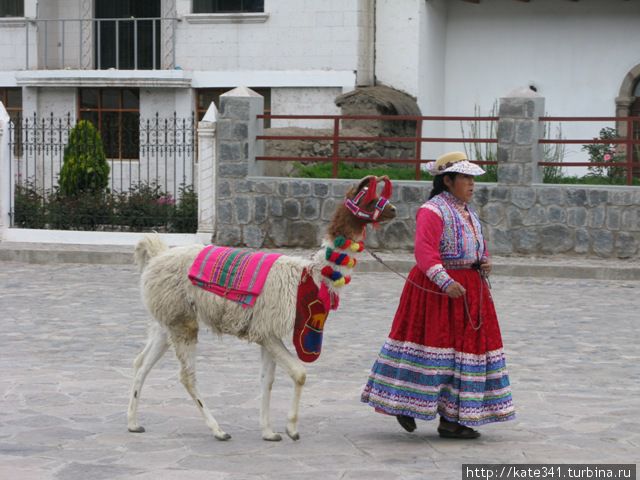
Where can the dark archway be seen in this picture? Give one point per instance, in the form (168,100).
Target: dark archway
(628,105)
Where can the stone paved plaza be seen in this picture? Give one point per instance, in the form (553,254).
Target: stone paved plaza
(69,334)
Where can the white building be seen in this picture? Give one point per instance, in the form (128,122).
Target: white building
(100,60)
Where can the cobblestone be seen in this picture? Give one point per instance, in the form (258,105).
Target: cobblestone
(69,334)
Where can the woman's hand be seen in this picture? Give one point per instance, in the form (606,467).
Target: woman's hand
(455,290)
(485,266)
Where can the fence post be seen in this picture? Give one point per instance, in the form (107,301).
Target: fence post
(207,174)
(237,129)
(6,177)
(519,132)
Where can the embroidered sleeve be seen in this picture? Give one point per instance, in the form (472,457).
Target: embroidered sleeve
(429,228)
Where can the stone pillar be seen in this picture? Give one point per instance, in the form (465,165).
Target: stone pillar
(237,149)
(86,36)
(206,181)
(519,131)
(6,175)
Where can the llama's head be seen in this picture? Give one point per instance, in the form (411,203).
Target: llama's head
(365,203)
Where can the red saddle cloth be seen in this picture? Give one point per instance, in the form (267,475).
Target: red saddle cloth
(311,314)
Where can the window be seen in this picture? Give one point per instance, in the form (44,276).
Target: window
(11,8)
(11,98)
(138,41)
(228,6)
(207,95)
(116,114)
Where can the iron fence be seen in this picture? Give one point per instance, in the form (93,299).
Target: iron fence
(151,175)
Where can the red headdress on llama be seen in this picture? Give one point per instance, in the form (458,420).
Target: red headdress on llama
(366,195)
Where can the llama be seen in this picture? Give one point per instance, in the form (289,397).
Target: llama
(179,308)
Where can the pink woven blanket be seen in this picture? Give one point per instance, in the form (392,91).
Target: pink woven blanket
(232,273)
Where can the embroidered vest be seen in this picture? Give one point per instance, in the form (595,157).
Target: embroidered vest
(459,243)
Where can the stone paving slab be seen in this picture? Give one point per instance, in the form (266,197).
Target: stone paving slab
(69,334)
(402,261)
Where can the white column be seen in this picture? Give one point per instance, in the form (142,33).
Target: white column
(6,177)
(207,174)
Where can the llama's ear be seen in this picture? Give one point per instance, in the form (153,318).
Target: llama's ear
(366,182)
(388,186)
(371,184)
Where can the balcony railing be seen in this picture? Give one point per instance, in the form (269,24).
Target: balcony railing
(100,43)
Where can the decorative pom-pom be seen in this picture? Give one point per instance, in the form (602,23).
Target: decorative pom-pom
(352,263)
(326,271)
(360,246)
(328,253)
(341,259)
(335,275)
(355,247)
(339,241)
(347,279)
(339,283)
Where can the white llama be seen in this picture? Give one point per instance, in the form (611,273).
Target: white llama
(179,308)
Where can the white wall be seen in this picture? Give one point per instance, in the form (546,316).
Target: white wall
(297,35)
(398,44)
(575,53)
(304,101)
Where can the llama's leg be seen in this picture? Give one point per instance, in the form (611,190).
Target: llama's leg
(298,374)
(267,376)
(185,346)
(154,349)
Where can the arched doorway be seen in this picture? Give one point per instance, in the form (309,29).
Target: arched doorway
(628,105)
(634,111)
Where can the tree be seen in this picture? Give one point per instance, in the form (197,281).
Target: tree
(85,168)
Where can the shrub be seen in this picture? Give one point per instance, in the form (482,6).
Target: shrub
(85,168)
(145,205)
(605,152)
(29,210)
(185,215)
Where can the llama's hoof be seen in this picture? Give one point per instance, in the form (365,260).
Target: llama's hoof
(293,435)
(272,437)
(223,436)
(136,429)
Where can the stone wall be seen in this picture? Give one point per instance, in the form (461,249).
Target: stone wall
(519,216)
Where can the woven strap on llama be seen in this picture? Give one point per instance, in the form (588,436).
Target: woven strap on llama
(366,195)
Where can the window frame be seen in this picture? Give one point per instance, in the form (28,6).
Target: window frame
(11,15)
(120,110)
(217,10)
(15,115)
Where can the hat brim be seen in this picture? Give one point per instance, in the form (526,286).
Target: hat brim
(465,167)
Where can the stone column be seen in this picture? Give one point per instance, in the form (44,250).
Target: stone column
(6,175)
(237,150)
(87,34)
(206,181)
(519,131)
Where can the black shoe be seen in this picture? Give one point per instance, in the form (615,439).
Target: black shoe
(406,422)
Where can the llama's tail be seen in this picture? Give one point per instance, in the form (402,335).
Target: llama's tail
(147,248)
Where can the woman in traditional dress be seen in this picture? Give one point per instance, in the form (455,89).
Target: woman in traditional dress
(444,352)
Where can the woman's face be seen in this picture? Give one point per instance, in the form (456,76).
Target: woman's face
(461,186)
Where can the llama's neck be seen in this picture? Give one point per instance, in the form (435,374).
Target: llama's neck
(336,260)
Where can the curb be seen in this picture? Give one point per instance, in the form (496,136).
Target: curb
(110,255)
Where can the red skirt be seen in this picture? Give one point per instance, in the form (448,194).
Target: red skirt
(443,356)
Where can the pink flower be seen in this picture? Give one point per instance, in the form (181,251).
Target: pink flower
(165,200)
(607,157)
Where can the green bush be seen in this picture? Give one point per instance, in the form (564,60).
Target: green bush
(84,211)
(145,205)
(185,215)
(606,152)
(85,168)
(30,206)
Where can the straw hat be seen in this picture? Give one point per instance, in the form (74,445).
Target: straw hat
(454,162)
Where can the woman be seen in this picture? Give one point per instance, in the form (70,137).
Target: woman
(444,352)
